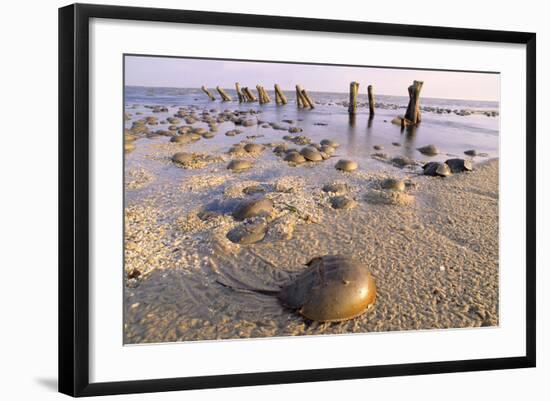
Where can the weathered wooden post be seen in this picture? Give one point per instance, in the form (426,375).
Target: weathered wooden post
(265,94)
(260,94)
(408,113)
(303,97)
(239,94)
(260,97)
(371,100)
(245,96)
(299,100)
(411,132)
(280,97)
(353,90)
(249,95)
(308,99)
(413,109)
(252,96)
(210,95)
(223,94)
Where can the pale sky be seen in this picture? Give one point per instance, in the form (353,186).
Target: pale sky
(193,73)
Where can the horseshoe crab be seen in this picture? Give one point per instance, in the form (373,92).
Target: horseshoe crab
(329,150)
(429,150)
(346,165)
(437,169)
(342,202)
(311,154)
(402,161)
(254,147)
(338,188)
(247,234)
(253,207)
(330,143)
(182,158)
(393,184)
(239,165)
(331,289)
(295,157)
(459,165)
(183,139)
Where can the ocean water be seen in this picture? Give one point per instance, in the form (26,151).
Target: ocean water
(451,133)
(183,96)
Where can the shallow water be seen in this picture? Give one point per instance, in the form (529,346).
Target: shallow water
(451,133)
(178,299)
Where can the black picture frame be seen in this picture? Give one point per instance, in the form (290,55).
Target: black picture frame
(74,194)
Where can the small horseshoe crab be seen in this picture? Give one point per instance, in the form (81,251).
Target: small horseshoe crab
(437,169)
(331,289)
(459,165)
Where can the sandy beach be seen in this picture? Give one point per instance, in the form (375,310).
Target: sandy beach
(431,247)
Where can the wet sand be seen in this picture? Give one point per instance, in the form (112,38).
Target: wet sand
(433,250)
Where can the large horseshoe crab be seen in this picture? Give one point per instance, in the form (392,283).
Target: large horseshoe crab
(331,289)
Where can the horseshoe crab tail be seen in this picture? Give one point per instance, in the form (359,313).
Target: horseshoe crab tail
(246,288)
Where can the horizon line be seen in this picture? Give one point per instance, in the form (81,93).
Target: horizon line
(319,91)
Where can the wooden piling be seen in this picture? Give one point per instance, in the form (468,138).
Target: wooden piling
(223,94)
(308,99)
(353,91)
(210,95)
(302,98)
(261,98)
(267,99)
(245,95)
(408,113)
(266,95)
(352,119)
(239,93)
(299,100)
(280,97)
(249,95)
(253,97)
(370,93)
(413,109)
